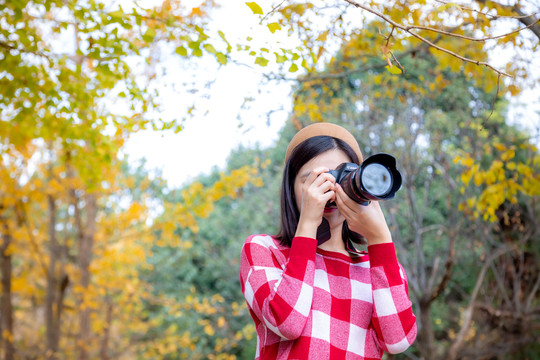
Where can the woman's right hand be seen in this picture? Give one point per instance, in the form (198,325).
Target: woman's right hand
(316,190)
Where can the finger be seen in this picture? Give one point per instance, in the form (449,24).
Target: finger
(323,178)
(324,187)
(314,174)
(344,202)
(341,196)
(327,196)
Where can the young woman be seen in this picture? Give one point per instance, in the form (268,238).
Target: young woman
(317,298)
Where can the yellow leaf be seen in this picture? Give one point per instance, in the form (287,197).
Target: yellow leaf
(293,68)
(255,7)
(394,70)
(466,177)
(209,330)
(468,162)
(221,321)
(478,178)
(507,155)
(273,27)
(261,61)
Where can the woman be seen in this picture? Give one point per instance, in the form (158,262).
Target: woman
(313,296)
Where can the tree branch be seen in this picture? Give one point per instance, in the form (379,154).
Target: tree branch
(424,40)
(460,339)
(529,20)
(10,47)
(435,291)
(448,33)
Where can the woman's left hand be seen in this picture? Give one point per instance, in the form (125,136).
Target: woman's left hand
(367,220)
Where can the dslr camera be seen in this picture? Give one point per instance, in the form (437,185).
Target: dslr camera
(377,178)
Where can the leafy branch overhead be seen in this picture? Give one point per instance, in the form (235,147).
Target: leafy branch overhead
(467,36)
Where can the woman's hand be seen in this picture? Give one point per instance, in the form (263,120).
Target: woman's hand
(316,191)
(367,220)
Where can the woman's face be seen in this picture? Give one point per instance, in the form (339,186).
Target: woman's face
(329,159)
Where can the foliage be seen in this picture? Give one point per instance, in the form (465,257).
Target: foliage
(411,117)
(77,81)
(103,260)
(205,275)
(504,180)
(466,37)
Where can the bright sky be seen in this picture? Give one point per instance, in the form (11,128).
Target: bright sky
(206,141)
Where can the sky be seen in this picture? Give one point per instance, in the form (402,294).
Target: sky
(207,139)
(217,128)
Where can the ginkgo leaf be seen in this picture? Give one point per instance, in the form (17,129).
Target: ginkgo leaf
(210,48)
(280,59)
(293,68)
(394,70)
(273,27)
(261,61)
(222,58)
(255,8)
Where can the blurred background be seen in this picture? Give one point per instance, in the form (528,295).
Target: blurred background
(141,142)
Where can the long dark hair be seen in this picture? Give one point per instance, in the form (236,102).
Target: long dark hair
(290,214)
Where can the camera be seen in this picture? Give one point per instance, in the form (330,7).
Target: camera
(377,178)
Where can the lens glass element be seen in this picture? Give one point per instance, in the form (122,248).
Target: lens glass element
(377,180)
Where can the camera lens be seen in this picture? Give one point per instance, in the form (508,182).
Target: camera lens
(377,179)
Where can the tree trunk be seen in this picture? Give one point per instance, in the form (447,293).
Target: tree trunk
(52,323)
(6,329)
(425,337)
(104,351)
(86,243)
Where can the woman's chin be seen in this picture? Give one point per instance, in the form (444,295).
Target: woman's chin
(333,216)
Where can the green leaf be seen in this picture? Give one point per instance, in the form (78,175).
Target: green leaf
(273,27)
(194,45)
(293,68)
(280,59)
(221,58)
(261,61)
(255,8)
(394,70)
(181,51)
(222,36)
(197,52)
(210,48)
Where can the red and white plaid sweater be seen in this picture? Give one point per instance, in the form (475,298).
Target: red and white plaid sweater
(308,303)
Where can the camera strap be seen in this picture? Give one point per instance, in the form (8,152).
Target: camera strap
(323,232)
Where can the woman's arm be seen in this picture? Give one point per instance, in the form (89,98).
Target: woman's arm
(393,321)
(279,296)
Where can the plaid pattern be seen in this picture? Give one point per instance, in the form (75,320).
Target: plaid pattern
(308,303)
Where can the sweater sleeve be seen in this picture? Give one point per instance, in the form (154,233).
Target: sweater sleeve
(393,320)
(279,296)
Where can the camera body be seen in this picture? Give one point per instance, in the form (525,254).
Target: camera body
(377,178)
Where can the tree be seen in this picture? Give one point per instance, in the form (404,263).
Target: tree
(71,96)
(209,318)
(403,115)
(473,37)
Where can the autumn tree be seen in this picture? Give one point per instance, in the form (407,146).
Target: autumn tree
(77,80)
(405,115)
(491,42)
(484,45)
